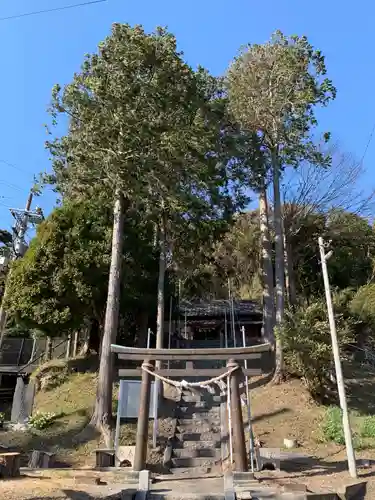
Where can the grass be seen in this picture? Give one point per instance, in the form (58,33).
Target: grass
(363,428)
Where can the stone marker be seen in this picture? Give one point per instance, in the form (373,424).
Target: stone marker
(125,453)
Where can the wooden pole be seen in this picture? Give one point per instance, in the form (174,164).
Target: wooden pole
(338,367)
(144,411)
(239,444)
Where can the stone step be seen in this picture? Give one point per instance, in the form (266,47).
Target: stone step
(188,397)
(200,435)
(192,462)
(194,404)
(193,428)
(196,453)
(198,421)
(191,472)
(186,486)
(198,444)
(169,495)
(198,413)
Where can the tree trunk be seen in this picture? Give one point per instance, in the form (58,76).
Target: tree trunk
(102,416)
(68,346)
(162,268)
(48,353)
(290,277)
(142,329)
(94,336)
(279,267)
(267,269)
(75,344)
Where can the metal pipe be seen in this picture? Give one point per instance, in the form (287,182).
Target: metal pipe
(225,329)
(251,436)
(170,324)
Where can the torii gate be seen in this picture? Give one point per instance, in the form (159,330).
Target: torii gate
(261,359)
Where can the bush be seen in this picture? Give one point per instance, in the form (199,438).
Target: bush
(307,344)
(42,420)
(332,429)
(368,427)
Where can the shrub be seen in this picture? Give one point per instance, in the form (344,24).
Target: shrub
(368,427)
(307,344)
(42,420)
(2,417)
(332,429)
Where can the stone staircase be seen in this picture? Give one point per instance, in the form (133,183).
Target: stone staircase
(196,445)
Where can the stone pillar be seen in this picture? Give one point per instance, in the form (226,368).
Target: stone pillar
(18,401)
(23,401)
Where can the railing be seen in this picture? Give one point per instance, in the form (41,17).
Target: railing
(261,361)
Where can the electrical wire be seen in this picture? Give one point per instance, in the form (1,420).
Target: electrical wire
(36,12)
(368,144)
(14,166)
(12,186)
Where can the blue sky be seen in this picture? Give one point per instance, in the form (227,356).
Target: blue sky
(39,51)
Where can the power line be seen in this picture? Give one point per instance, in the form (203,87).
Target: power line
(14,166)
(36,12)
(12,186)
(368,144)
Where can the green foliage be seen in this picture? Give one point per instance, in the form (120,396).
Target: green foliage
(353,240)
(62,279)
(55,284)
(5,242)
(236,255)
(368,427)
(307,342)
(2,417)
(142,121)
(331,427)
(42,420)
(363,303)
(273,89)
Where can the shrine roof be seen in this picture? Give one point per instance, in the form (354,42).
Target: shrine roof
(219,308)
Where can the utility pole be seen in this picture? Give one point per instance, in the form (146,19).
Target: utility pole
(22,217)
(338,368)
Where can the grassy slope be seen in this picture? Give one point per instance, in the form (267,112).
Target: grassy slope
(74,399)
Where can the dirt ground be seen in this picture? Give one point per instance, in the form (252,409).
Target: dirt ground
(77,485)
(287,411)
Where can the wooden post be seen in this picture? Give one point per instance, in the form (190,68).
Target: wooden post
(9,464)
(41,459)
(144,411)
(104,458)
(239,444)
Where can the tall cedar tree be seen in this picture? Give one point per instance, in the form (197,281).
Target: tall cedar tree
(273,91)
(138,129)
